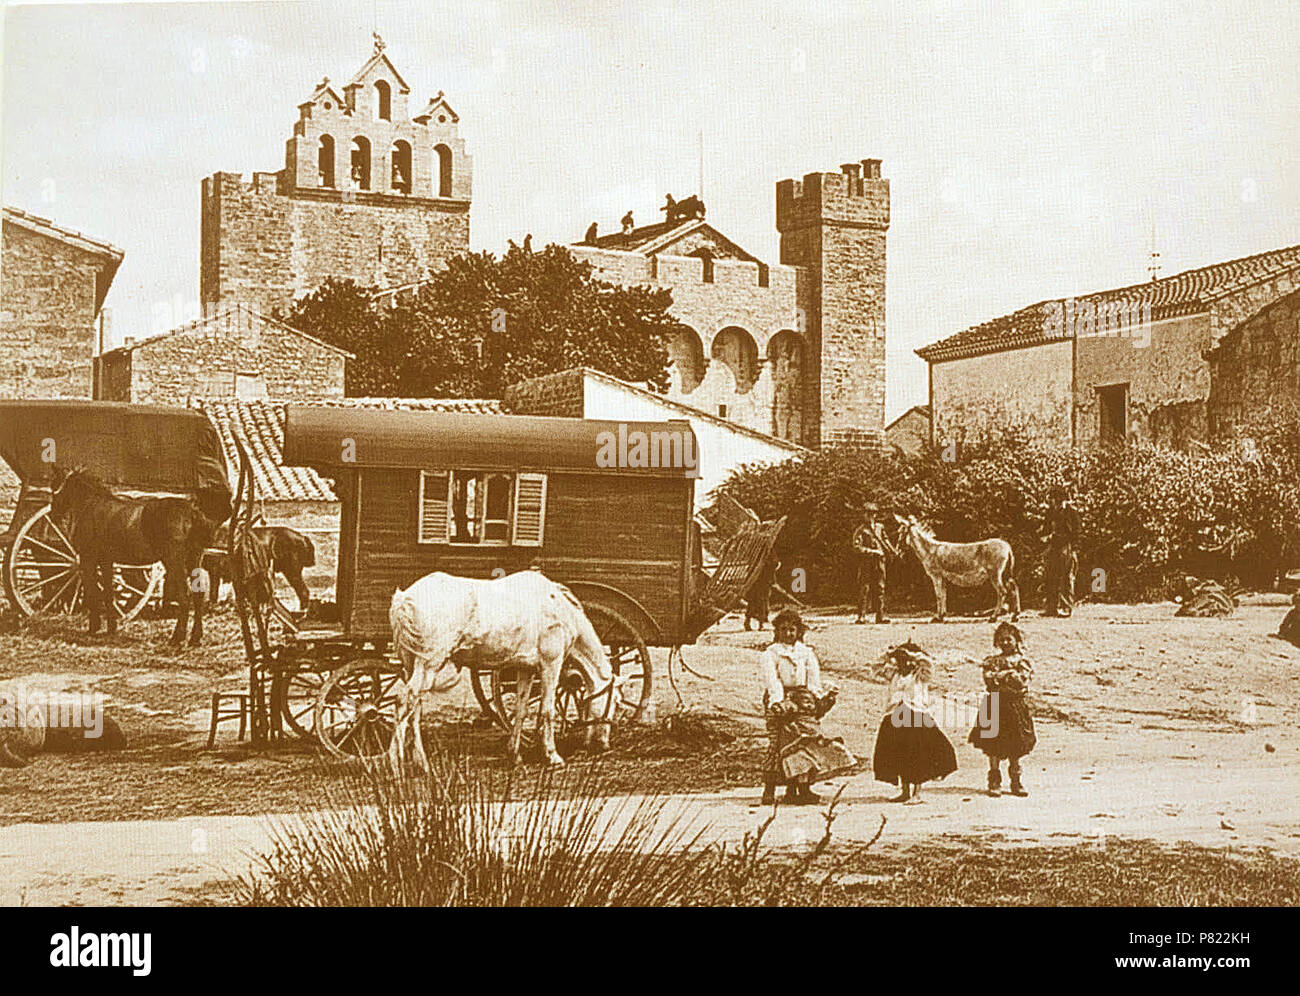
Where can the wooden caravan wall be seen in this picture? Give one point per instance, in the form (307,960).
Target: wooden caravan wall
(624,531)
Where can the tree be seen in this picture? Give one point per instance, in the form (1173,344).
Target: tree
(484,323)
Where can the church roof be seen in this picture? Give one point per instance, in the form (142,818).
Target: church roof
(323,89)
(650,240)
(1181,294)
(432,108)
(377,59)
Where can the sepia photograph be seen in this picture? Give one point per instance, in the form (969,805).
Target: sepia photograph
(578,453)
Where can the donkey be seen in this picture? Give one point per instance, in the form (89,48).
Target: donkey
(107,529)
(522,620)
(965,564)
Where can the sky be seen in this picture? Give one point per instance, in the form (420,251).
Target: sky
(1033,149)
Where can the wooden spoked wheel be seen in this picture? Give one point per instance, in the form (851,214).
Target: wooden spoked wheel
(43,574)
(294,696)
(356,709)
(570,696)
(628,656)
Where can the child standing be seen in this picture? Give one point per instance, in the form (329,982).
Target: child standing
(794,703)
(1006,675)
(910,747)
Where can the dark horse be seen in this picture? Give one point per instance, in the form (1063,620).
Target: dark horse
(291,552)
(107,529)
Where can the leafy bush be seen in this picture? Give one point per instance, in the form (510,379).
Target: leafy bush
(1149,514)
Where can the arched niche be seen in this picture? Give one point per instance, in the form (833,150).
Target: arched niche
(442,155)
(686,356)
(786,361)
(325,160)
(401,166)
(361,162)
(736,348)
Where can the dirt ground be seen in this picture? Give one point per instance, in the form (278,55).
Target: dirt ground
(1149,727)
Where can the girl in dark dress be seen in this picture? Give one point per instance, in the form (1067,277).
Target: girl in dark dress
(910,747)
(1009,733)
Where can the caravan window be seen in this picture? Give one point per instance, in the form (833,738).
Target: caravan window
(482,508)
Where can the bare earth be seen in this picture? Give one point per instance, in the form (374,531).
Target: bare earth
(1148,726)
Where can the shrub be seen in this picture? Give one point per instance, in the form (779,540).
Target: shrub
(1149,514)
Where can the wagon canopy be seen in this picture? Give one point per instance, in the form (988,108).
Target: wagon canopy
(331,438)
(134,447)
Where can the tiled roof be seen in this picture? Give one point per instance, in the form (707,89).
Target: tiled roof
(259,425)
(1182,294)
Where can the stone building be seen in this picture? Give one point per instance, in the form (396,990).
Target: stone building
(1255,368)
(1124,364)
(235,353)
(53,288)
(368,192)
(910,432)
(53,281)
(796,350)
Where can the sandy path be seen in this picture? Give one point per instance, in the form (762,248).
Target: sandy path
(1149,727)
(1233,805)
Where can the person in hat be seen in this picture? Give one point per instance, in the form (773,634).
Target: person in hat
(1005,730)
(910,748)
(794,701)
(869,544)
(1063,527)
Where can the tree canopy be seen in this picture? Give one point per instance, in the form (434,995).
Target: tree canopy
(484,323)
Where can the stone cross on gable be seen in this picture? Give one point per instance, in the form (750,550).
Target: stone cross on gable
(379,43)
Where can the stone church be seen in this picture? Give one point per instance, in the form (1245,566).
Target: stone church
(370,192)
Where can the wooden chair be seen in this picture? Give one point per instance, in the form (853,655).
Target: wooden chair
(228,705)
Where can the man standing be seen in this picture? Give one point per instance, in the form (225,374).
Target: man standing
(869,544)
(1063,527)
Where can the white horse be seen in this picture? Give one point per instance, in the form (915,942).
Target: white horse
(522,620)
(967,565)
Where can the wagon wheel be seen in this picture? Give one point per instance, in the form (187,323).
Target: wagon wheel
(628,655)
(572,691)
(43,574)
(294,695)
(356,710)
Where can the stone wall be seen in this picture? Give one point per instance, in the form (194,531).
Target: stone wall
(1256,367)
(263,244)
(1167,376)
(977,397)
(558,394)
(47,317)
(234,354)
(755,375)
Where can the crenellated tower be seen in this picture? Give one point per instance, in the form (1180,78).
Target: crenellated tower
(833,228)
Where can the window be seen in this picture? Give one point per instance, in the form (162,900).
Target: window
(383,100)
(1113,413)
(482,508)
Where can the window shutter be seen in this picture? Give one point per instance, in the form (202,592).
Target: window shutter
(530,509)
(434,507)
